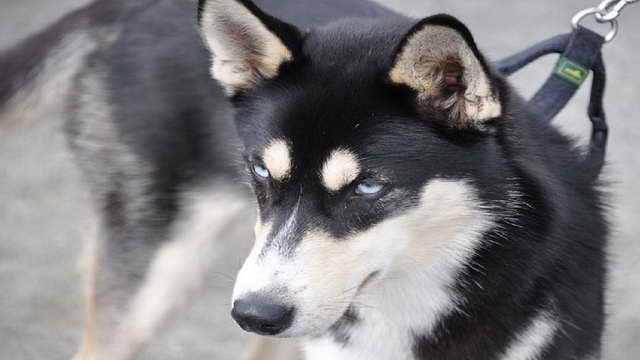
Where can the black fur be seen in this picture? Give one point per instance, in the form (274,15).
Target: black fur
(341,330)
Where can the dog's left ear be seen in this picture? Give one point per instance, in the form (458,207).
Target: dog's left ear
(248,45)
(439,60)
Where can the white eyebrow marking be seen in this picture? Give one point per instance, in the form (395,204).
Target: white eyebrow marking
(277,159)
(340,169)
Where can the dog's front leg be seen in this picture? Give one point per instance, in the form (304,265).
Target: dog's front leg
(134,280)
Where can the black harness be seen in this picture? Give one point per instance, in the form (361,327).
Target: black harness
(580,54)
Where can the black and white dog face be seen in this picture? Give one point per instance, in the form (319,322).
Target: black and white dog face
(365,143)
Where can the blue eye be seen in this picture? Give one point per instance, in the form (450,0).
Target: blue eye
(369,188)
(260,171)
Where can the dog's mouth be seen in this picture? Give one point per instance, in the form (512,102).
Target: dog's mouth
(350,314)
(367,281)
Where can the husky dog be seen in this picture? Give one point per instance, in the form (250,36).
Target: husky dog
(410,206)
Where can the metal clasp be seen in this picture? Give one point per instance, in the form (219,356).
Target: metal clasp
(575,21)
(611,9)
(607,12)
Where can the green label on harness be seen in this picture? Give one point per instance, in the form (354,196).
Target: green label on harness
(570,71)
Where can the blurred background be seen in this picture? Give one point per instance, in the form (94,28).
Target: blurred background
(44,211)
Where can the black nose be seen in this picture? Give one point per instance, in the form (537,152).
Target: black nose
(261,315)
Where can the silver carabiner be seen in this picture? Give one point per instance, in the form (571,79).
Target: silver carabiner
(611,9)
(577,18)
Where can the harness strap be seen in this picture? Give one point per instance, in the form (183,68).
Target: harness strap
(555,45)
(581,52)
(600,129)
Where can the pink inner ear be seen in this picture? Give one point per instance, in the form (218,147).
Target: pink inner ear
(452,72)
(452,79)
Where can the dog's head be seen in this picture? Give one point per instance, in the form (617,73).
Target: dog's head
(360,139)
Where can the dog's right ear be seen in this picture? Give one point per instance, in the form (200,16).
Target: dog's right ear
(439,60)
(248,45)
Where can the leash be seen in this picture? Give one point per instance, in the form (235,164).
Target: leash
(580,54)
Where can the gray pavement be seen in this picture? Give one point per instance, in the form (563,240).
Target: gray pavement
(44,208)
